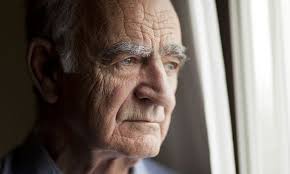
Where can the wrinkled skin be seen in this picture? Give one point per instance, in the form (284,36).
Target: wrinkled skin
(112,95)
(121,110)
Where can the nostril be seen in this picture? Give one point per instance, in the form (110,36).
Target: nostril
(145,100)
(146,95)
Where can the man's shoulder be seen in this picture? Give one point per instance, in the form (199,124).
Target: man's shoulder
(27,159)
(13,160)
(1,165)
(148,166)
(5,163)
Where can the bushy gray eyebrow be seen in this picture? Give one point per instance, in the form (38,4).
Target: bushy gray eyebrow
(126,47)
(136,49)
(175,50)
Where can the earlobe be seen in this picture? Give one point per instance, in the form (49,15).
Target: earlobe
(43,64)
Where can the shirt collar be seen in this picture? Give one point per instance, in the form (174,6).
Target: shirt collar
(140,167)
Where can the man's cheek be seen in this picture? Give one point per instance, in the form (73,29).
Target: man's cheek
(104,101)
(119,92)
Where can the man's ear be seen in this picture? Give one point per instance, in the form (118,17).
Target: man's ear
(44,65)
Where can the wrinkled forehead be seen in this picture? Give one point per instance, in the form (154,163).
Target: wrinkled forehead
(149,22)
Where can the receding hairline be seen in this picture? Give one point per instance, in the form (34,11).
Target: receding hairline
(62,26)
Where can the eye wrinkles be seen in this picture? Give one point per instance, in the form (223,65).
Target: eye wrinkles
(174,51)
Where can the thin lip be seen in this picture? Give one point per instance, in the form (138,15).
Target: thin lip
(143,121)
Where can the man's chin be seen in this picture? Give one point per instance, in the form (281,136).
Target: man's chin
(143,147)
(136,146)
(141,138)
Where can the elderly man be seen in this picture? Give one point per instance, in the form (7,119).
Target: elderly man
(106,76)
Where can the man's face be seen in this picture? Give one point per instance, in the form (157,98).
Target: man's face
(124,95)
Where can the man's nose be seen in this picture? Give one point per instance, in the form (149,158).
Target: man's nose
(155,86)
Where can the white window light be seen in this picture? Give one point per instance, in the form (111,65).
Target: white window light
(260,37)
(209,57)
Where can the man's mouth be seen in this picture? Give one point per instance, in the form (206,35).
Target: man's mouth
(157,119)
(141,121)
(141,127)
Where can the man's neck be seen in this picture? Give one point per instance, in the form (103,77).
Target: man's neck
(93,162)
(74,157)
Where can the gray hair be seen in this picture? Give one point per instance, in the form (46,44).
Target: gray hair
(54,20)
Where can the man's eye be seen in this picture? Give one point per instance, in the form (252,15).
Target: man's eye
(171,66)
(129,61)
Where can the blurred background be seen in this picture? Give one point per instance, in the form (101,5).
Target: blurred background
(16,103)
